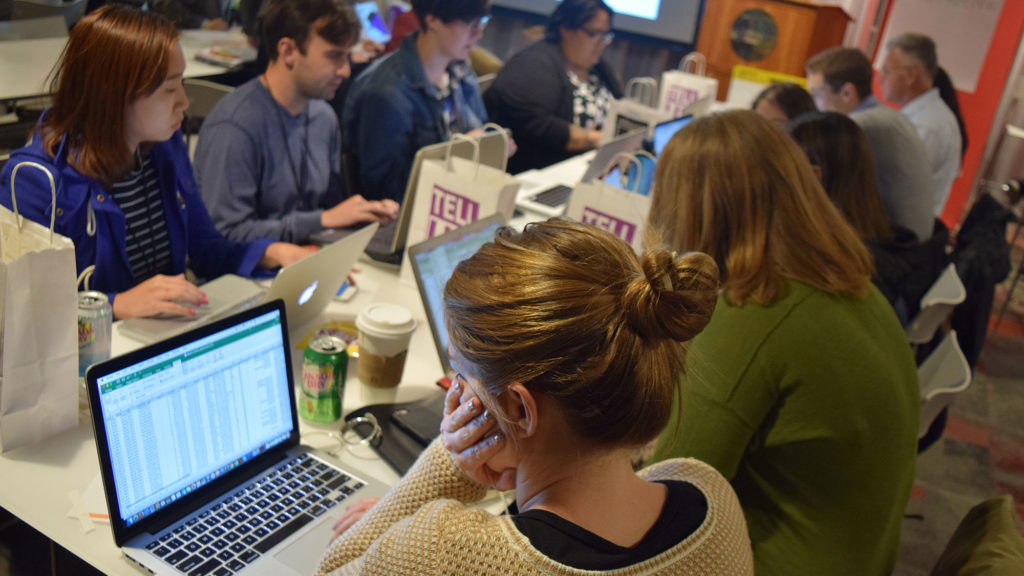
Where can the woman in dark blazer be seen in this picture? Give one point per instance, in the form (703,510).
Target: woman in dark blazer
(554,94)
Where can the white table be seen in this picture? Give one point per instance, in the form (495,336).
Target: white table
(36,481)
(25,65)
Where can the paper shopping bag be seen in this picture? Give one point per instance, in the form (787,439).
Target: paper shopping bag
(687,90)
(637,110)
(619,211)
(38,328)
(455,192)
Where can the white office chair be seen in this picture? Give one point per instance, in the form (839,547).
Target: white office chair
(942,376)
(71,11)
(203,95)
(936,305)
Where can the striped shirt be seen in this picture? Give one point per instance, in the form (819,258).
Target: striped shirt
(138,196)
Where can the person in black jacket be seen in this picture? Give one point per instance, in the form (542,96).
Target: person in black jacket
(554,94)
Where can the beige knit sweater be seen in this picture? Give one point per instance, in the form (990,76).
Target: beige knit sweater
(423,527)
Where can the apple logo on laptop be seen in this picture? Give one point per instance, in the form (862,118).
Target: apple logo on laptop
(308,292)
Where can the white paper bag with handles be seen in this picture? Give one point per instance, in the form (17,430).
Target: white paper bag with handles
(621,212)
(38,327)
(453,192)
(687,90)
(638,109)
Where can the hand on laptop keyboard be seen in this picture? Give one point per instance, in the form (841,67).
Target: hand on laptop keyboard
(170,295)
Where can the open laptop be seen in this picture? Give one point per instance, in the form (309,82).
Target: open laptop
(198,444)
(433,262)
(388,243)
(550,198)
(306,287)
(375,18)
(663,132)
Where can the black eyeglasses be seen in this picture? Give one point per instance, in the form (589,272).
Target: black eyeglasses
(606,35)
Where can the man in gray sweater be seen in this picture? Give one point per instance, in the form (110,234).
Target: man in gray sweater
(839,80)
(268,161)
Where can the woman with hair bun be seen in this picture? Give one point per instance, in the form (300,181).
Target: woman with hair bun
(802,390)
(568,347)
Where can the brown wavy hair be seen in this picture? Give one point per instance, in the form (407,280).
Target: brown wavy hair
(738,188)
(114,56)
(570,311)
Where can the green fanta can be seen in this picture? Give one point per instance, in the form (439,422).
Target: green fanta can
(323,379)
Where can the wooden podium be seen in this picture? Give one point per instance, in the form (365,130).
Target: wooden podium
(740,32)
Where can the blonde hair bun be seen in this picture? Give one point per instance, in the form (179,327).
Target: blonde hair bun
(675,296)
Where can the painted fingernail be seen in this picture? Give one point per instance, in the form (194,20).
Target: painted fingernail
(497,437)
(191,312)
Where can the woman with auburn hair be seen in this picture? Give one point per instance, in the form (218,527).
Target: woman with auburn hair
(841,158)
(556,419)
(126,195)
(802,389)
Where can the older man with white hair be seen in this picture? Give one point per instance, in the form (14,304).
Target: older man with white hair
(907,79)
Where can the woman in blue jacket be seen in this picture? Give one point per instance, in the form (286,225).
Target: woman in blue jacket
(125,192)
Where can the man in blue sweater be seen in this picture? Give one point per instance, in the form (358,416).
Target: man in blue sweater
(268,159)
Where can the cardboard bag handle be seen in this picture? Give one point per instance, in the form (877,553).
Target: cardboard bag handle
(632,159)
(694,61)
(504,136)
(476,151)
(643,90)
(53,194)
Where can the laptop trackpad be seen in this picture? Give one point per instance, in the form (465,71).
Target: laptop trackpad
(304,554)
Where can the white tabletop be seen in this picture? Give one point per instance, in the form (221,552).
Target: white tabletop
(39,483)
(25,65)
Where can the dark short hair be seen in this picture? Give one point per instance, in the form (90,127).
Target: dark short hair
(573,15)
(840,65)
(450,10)
(920,48)
(333,20)
(791,98)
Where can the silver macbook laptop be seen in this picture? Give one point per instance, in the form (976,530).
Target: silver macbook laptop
(198,444)
(551,197)
(306,287)
(389,242)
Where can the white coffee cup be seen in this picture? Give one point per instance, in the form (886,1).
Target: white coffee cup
(384,334)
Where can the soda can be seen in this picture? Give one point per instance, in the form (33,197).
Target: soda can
(323,379)
(95,319)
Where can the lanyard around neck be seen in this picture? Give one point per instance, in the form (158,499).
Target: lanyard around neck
(298,174)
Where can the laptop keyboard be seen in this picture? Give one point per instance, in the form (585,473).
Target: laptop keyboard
(230,535)
(555,196)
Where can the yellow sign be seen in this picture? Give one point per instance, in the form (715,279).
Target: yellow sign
(765,77)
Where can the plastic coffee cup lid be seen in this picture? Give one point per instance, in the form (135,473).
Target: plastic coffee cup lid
(385,320)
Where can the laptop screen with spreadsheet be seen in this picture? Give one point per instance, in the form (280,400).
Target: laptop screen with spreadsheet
(178,420)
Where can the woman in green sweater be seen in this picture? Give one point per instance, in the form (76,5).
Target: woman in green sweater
(802,390)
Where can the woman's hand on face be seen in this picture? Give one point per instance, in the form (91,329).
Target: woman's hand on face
(159,295)
(353,512)
(471,435)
